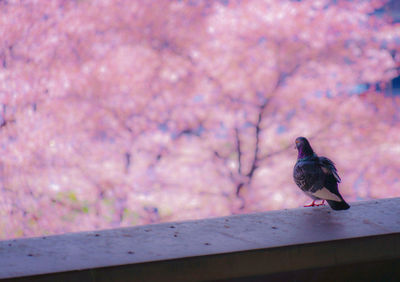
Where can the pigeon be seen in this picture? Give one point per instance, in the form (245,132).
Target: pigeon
(317,177)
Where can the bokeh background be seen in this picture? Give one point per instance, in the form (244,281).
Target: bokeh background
(118,113)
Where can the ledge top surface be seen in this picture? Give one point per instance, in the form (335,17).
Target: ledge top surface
(85,250)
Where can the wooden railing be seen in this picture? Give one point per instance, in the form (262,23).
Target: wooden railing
(304,244)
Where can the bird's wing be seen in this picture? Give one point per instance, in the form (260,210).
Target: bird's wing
(328,167)
(331,179)
(299,177)
(307,175)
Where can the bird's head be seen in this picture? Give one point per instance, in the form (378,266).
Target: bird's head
(301,142)
(303,146)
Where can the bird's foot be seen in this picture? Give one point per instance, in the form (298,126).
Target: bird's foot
(313,204)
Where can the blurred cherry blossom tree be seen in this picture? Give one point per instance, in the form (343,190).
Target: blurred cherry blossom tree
(116,113)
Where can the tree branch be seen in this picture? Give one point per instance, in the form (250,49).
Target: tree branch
(239,150)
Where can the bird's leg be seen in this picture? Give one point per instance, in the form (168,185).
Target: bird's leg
(321,204)
(311,205)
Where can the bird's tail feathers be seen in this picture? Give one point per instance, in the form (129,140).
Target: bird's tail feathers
(338,205)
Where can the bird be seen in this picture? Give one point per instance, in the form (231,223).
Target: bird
(317,177)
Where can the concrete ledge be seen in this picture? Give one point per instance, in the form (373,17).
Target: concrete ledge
(286,244)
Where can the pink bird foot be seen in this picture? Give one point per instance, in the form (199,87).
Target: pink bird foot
(313,204)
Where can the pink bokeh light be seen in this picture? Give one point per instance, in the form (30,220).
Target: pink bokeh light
(118,113)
